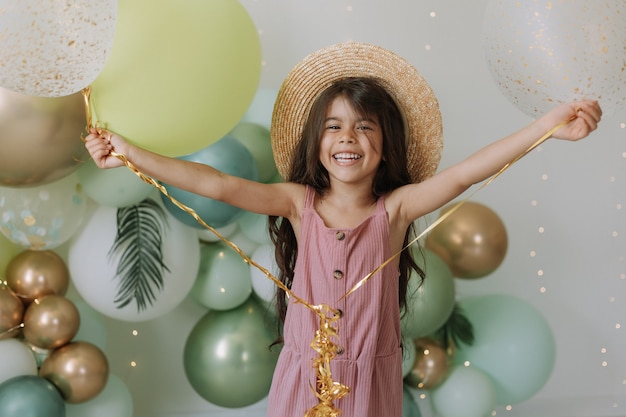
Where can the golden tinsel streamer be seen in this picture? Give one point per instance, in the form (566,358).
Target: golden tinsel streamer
(326,390)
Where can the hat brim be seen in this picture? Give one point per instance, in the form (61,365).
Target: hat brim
(407,86)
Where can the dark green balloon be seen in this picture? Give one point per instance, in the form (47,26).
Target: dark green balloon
(227,357)
(30,396)
(409,406)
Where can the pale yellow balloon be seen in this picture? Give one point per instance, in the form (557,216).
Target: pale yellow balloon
(181,73)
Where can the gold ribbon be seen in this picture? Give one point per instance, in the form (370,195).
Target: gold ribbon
(455,207)
(327,390)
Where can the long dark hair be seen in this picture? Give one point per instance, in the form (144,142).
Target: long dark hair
(367,97)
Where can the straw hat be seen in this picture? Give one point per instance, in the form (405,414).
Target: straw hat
(319,70)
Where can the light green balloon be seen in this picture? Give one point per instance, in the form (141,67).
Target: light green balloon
(466,392)
(117,187)
(92,328)
(513,344)
(8,251)
(408,355)
(223,281)
(254,226)
(226,357)
(409,406)
(430,304)
(114,400)
(257,139)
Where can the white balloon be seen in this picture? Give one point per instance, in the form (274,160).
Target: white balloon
(17,359)
(114,400)
(262,285)
(93,270)
(52,48)
(542,53)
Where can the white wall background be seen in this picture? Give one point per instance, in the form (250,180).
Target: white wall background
(578,192)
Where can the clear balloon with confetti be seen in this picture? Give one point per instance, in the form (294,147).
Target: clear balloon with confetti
(45,216)
(542,53)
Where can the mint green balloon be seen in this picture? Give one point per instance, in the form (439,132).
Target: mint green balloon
(513,344)
(466,392)
(227,359)
(409,354)
(409,406)
(223,281)
(255,227)
(115,400)
(430,304)
(256,138)
(117,187)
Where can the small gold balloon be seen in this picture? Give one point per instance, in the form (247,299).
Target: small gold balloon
(51,321)
(79,370)
(431,365)
(11,312)
(33,274)
(472,240)
(40,137)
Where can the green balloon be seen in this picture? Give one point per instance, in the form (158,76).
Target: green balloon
(8,250)
(257,139)
(513,345)
(409,406)
(117,187)
(30,396)
(430,304)
(227,359)
(223,281)
(466,392)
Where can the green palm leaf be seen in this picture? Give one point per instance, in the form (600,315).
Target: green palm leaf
(457,329)
(138,243)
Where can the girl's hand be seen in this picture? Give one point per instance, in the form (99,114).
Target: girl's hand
(100,144)
(583,117)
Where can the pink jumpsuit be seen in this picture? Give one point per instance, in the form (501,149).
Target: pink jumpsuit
(330,262)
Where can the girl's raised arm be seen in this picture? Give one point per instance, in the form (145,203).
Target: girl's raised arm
(416,200)
(271,199)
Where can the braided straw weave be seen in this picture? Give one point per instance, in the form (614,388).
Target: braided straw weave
(319,70)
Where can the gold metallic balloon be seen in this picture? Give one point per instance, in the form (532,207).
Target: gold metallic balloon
(472,240)
(51,321)
(11,312)
(40,137)
(431,365)
(33,274)
(79,370)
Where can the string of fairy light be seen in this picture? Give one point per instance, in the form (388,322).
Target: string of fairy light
(615,237)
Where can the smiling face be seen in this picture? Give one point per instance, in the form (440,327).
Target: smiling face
(351,146)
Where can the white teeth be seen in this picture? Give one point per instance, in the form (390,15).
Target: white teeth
(346,156)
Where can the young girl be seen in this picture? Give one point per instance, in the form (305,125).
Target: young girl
(356,133)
